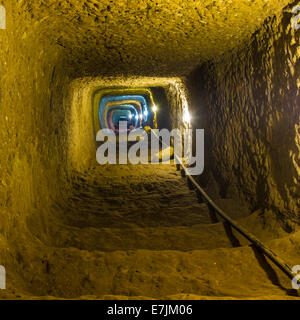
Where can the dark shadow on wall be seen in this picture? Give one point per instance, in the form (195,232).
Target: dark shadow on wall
(199,108)
(164,110)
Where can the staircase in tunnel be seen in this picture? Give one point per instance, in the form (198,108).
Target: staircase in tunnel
(138,231)
(72,228)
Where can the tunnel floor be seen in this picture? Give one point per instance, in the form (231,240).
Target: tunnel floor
(137,232)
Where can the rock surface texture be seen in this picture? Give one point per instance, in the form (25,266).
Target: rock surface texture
(249,100)
(72,229)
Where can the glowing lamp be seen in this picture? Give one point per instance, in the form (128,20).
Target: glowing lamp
(154,108)
(186,116)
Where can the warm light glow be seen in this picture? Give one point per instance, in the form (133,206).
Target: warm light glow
(141,116)
(154,108)
(186,116)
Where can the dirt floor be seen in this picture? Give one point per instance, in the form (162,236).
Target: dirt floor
(138,232)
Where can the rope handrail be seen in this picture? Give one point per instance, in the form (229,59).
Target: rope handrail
(248,235)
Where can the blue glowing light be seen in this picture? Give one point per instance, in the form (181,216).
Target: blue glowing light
(141,99)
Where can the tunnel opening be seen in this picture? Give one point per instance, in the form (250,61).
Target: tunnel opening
(71,228)
(140,100)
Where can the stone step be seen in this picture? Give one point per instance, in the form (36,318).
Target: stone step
(131,236)
(223,272)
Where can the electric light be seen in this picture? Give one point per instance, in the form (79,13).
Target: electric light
(186,116)
(141,116)
(154,108)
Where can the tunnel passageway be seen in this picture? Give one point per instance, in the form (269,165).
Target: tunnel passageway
(72,226)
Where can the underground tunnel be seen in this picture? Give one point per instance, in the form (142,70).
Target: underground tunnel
(74,228)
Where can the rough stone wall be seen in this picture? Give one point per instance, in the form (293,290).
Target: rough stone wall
(32,128)
(31,112)
(145,37)
(178,97)
(249,103)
